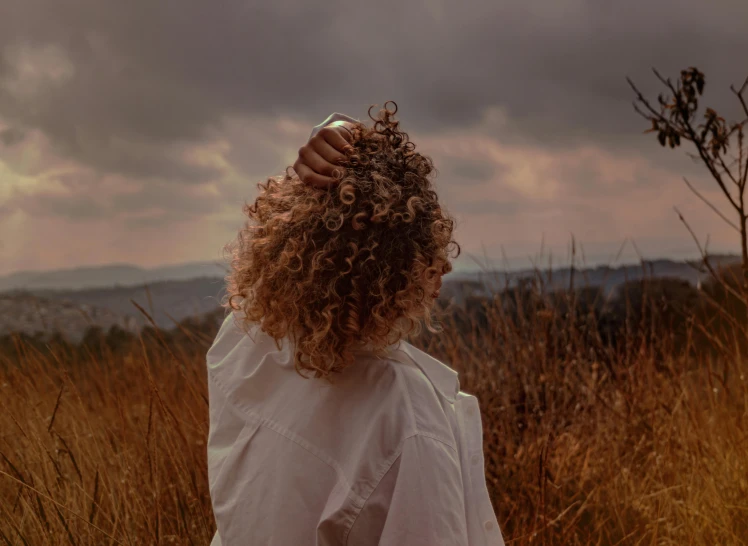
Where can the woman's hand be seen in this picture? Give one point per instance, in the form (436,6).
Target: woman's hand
(323,153)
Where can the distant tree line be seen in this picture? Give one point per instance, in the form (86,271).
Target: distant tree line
(666,315)
(190,334)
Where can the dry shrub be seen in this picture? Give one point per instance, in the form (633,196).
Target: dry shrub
(585,444)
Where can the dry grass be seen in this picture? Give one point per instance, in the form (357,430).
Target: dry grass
(584,445)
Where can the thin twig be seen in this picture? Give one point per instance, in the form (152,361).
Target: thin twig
(714,208)
(705,258)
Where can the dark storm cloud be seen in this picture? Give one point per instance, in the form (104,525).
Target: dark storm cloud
(166,71)
(127,87)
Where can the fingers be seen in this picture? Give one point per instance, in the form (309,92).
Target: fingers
(311,178)
(316,162)
(338,135)
(326,150)
(320,159)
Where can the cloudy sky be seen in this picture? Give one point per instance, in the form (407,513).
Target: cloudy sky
(133,131)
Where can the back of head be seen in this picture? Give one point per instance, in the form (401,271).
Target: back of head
(334,269)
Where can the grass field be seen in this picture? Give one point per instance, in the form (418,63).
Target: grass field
(584,444)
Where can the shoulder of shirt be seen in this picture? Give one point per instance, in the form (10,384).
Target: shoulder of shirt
(443,378)
(428,388)
(427,391)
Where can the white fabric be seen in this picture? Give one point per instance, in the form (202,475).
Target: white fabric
(391,454)
(335,116)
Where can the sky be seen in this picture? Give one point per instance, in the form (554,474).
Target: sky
(133,132)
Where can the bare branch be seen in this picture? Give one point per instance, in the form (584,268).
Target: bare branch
(736,127)
(705,258)
(739,94)
(711,205)
(664,81)
(743,165)
(745,84)
(727,171)
(645,102)
(706,159)
(687,131)
(694,157)
(742,162)
(642,114)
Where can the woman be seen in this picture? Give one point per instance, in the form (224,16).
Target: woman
(326,426)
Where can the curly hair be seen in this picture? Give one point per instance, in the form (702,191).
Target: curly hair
(345,266)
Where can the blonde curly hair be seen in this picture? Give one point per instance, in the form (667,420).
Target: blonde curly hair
(338,268)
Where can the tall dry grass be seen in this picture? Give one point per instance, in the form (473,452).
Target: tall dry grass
(585,443)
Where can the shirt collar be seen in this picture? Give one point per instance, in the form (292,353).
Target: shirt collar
(444,378)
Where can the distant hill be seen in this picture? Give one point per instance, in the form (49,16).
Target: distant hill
(47,310)
(602,275)
(107,276)
(180,299)
(29,309)
(125,275)
(24,313)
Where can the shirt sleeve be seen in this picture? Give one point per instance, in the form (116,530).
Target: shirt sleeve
(335,116)
(418,502)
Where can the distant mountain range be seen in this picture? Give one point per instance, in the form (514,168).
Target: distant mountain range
(125,275)
(72,311)
(607,277)
(107,276)
(103,295)
(31,314)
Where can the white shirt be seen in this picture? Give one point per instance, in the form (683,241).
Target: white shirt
(391,454)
